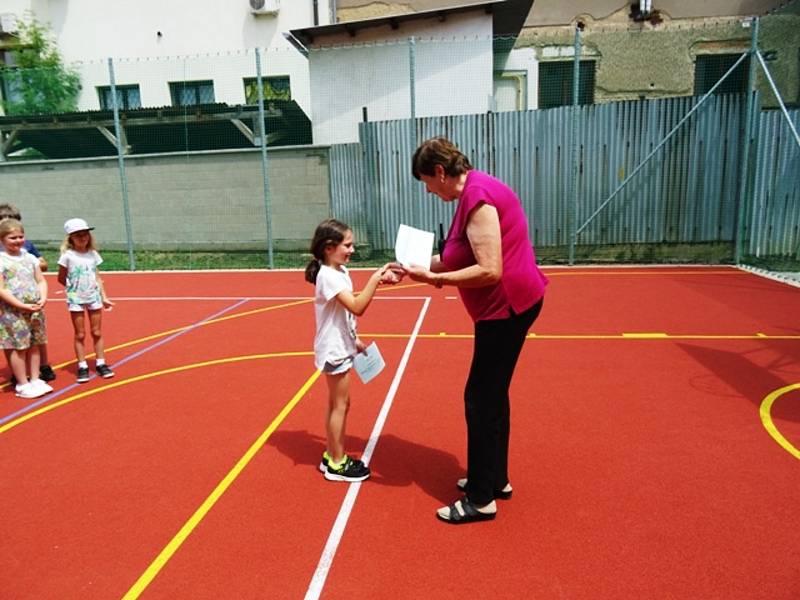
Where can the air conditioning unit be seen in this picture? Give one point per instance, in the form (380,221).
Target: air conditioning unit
(8,23)
(265,7)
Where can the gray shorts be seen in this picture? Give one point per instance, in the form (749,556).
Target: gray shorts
(338,368)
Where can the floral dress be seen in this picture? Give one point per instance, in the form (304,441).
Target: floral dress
(19,330)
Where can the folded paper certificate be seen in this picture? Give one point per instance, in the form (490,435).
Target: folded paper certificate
(368,363)
(413,246)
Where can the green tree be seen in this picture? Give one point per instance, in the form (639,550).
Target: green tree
(37,82)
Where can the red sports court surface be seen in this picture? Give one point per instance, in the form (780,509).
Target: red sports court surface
(654,451)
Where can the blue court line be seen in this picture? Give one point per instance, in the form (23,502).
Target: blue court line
(120,362)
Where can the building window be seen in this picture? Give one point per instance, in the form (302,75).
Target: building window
(555,83)
(189,93)
(127,97)
(275,88)
(709,69)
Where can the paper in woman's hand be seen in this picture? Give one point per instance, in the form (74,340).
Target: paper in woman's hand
(413,246)
(368,363)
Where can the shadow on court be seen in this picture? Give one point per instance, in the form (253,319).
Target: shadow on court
(754,373)
(396,462)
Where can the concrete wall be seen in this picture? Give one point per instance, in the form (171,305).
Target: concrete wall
(198,201)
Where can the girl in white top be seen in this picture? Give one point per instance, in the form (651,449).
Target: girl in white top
(336,341)
(23,294)
(77,271)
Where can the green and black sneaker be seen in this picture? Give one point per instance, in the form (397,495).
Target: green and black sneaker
(348,470)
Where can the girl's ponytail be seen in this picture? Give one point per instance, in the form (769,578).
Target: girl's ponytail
(312,270)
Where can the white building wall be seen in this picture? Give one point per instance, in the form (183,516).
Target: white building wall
(199,40)
(452,77)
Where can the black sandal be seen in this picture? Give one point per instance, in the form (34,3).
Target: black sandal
(471,513)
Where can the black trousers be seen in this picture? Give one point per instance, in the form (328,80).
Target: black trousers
(498,344)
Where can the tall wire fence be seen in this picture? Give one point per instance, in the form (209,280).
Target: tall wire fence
(646,144)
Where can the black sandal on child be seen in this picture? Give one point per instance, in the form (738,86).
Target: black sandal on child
(468,513)
(504,494)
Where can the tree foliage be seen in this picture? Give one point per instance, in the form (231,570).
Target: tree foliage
(37,82)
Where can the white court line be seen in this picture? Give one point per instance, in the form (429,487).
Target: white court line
(194,298)
(328,553)
(792,279)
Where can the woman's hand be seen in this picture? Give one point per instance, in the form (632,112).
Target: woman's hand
(421,274)
(360,346)
(107,304)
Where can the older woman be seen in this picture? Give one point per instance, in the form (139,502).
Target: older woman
(488,256)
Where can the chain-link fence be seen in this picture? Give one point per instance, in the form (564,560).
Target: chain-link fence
(629,144)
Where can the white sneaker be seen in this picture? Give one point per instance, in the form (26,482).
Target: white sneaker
(42,386)
(27,390)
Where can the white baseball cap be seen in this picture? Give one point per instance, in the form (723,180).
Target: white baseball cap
(73,225)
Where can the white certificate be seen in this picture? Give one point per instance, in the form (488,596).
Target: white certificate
(368,363)
(413,246)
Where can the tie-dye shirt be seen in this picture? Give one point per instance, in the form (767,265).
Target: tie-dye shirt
(82,286)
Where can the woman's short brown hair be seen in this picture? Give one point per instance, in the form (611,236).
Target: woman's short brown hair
(439,151)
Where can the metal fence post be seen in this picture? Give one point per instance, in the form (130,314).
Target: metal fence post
(262,128)
(744,166)
(573,206)
(412,85)
(412,75)
(368,180)
(121,161)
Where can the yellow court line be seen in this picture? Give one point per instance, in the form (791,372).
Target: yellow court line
(211,322)
(644,335)
(732,271)
(766,418)
(590,336)
(175,543)
(247,313)
(155,336)
(219,361)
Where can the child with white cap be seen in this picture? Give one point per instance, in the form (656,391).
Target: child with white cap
(77,271)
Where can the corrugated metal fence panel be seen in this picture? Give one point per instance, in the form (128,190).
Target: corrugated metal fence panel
(776,195)
(347,188)
(686,193)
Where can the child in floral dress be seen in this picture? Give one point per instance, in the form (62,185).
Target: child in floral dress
(23,295)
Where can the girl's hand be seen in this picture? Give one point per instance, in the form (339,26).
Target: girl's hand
(360,346)
(107,304)
(392,273)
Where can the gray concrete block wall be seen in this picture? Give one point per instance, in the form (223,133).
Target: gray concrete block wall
(194,201)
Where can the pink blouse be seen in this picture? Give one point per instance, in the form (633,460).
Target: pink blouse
(522,284)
